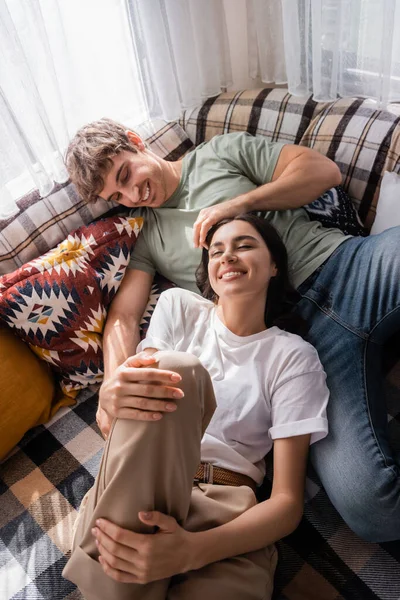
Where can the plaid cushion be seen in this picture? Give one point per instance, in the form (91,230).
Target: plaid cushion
(41,223)
(271,112)
(364,142)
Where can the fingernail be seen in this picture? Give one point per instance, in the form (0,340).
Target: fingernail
(157,416)
(170,407)
(95,531)
(176,377)
(178,394)
(99,522)
(146,515)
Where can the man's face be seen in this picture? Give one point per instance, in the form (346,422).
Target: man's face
(136,179)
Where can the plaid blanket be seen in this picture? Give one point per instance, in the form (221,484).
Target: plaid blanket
(45,479)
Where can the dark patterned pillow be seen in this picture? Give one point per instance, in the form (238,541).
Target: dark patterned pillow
(160,284)
(336,209)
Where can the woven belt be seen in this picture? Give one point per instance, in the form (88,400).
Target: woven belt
(208,473)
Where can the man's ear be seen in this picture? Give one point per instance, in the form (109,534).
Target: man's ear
(135,139)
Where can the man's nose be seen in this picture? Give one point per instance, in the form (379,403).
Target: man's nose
(132,194)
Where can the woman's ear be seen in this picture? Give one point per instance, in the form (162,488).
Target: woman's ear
(274,270)
(135,139)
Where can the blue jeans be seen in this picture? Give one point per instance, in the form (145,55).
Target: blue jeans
(352,305)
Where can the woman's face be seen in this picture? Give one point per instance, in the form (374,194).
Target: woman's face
(239,261)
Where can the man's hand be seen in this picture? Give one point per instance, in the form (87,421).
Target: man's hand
(209,216)
(131,557)
(137,391)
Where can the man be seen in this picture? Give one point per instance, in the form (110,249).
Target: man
(350,288)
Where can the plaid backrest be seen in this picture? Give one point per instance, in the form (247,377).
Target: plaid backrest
(42,223)
(363,141)
(272,112)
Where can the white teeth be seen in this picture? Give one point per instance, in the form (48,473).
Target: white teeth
(231,274)
(146,194)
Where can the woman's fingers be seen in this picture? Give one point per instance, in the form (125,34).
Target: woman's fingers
(150,374)
(116,574)
(117,555)
(149,390)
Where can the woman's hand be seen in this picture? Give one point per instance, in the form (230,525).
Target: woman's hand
(209,216)
(131,557)
(137,390)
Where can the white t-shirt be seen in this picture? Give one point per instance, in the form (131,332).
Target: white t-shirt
(268,385)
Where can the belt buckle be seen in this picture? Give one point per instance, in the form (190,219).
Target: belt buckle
(208,476)
(208,473)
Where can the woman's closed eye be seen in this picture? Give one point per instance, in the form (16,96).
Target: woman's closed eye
(241,247)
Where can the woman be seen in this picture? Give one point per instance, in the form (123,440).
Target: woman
(210,535)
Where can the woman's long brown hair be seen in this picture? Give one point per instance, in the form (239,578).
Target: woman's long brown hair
(281,295)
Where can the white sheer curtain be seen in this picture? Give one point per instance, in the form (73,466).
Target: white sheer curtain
(67,62)
(265,41)
(328,48)
(343,48)
(183,52)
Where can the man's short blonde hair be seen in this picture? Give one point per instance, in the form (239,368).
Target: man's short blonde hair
(88,157)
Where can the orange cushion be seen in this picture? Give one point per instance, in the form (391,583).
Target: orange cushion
(28,395)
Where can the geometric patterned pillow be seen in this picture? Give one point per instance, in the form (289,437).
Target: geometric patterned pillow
(58,303)
(336,209)
(160,284)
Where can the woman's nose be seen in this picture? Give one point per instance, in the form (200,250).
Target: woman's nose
(228,256)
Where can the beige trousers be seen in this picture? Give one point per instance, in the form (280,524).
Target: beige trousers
(150,466)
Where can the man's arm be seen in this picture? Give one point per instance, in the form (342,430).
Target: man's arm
(121,333)
(300,176)
(132,387)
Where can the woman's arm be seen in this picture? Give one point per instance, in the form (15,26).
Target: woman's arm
(131,557)
(266,522)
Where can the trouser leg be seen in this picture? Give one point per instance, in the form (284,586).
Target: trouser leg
(245,577)
(146,466)
(353,307)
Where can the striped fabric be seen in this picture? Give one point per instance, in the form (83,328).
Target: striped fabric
(363,141)
(42,223)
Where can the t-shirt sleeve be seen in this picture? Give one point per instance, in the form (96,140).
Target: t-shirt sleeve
(254,156)
(141,257)
(160,333)
(298,403)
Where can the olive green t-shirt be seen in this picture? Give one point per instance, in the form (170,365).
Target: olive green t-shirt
(225,167)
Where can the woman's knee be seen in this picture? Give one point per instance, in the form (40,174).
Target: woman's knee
(196,381)
(179,362)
